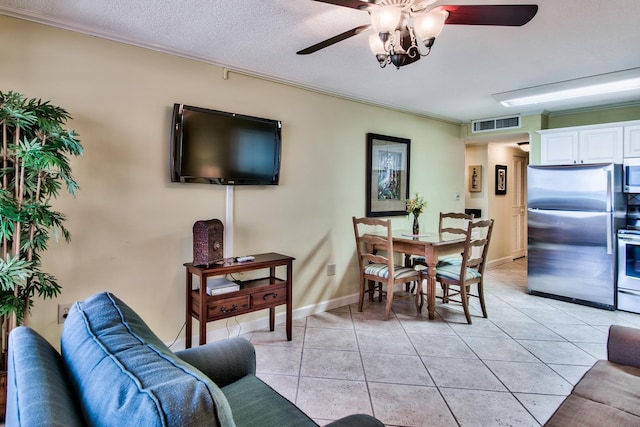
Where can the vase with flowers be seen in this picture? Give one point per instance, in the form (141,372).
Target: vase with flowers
(415,206)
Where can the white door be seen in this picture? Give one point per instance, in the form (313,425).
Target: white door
(519,208)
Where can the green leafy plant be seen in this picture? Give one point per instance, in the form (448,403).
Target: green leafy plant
(34,166)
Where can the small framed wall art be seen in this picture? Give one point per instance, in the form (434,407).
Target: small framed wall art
(501,179)
(475,178)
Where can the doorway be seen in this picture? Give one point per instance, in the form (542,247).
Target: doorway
(509,210)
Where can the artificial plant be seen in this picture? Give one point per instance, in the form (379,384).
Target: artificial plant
(34,166)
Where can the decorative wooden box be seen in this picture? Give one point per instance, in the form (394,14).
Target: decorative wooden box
(207,242)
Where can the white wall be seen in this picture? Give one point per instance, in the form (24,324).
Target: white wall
(131,227)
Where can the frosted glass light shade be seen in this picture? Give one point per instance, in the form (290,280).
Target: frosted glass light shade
(376,45)
(386,19)
(428,25)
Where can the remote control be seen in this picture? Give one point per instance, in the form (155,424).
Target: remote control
(245,258)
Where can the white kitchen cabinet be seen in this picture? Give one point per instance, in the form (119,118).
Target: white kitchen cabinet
(582,145)
(632,141)
(601,145)
(559,148)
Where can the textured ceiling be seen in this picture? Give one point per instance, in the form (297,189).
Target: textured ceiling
(567,39)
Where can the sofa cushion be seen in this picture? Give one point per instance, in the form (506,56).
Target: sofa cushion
(614,385)
(39,392)
(578,411)
(125,375)
(254,403)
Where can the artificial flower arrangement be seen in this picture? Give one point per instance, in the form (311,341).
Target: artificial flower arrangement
(416,205)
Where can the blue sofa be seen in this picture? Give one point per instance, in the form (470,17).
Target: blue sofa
(113,371)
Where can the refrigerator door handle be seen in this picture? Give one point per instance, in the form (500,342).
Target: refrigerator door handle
(609,190)
(610,234)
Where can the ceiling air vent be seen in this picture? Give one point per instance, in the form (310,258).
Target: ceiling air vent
(498,123)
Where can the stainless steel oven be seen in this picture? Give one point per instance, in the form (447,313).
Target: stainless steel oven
(629,270)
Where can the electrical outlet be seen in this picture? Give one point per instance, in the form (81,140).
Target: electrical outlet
(331,270)
(63,311)
(457,195)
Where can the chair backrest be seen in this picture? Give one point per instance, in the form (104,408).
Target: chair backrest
(477,245)
(454,222)
(373,236)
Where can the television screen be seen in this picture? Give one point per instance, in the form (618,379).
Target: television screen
(214,147)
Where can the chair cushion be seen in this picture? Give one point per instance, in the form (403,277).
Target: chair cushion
(443,260)
(452,272)
(381,270)
(450,259)
(124,374)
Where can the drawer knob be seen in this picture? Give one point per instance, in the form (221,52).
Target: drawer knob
(233,308)
(272,295)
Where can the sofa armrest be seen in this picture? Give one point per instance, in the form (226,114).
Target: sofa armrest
(223,361)
(623,345)
(357,420)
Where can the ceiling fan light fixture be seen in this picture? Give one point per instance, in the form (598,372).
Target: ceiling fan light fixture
(398,59)
(386,19)
(376,45)
(400,25)
(429,25)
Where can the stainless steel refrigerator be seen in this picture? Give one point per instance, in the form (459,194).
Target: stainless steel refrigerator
(574,213)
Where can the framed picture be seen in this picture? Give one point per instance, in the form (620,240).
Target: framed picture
(387,175)
(501,179)
(475,178)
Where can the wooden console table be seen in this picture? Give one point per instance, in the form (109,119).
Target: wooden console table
(255,294)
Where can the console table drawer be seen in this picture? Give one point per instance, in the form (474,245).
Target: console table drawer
(226,307)
(269,297)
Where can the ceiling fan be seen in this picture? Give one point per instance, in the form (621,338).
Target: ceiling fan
(399,24)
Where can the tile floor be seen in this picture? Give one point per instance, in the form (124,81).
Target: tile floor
(512,369)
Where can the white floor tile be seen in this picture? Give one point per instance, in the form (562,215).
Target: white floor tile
(513,368)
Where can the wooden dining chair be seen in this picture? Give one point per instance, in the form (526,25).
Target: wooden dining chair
(453,223)
(374,245)
(470,270)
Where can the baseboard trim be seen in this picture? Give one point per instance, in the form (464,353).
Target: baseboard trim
(232,328)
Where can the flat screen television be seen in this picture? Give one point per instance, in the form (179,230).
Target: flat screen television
(215,147)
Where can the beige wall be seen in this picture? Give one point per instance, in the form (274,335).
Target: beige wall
(477,155)
(131,227)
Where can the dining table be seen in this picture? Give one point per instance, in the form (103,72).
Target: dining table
(431,246)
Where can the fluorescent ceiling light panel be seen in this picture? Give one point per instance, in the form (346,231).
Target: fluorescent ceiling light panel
(622,81)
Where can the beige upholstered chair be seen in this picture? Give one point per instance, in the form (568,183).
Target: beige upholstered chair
(374,245)
(469,270)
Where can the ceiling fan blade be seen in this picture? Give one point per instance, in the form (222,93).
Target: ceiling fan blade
(510,15)
(333,40)
(354,4)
